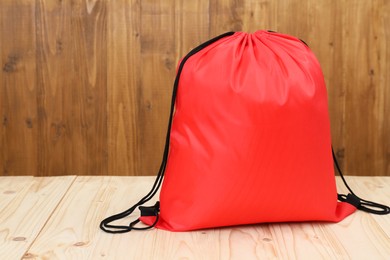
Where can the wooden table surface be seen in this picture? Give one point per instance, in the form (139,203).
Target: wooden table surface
(58,218)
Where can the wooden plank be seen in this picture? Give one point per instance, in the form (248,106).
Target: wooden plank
(293,17)
(366,65)
(88,109)
(188,36)
(225,16)
(71,76)
(67,235)
(18,92)
(259,15)
(54,78)
(123,87)
(158,67)
(25,205)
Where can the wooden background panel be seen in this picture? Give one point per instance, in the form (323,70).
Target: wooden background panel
(366,52)
(53,58)
(123,85)
(72,90)
(89,87)
(157,72)
(18,89)
(86,85)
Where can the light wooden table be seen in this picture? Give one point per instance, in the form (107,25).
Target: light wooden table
(58,218)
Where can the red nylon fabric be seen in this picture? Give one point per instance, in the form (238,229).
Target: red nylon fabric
(250,139)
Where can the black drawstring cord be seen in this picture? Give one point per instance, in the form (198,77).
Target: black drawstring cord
(104,225)
(361,204)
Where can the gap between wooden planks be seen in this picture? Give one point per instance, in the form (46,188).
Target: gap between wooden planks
(58,217)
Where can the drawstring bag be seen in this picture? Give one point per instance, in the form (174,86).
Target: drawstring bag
(248,140)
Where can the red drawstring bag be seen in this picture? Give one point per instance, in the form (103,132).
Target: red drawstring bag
(248,140)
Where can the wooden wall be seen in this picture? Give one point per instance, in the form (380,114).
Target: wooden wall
(85,85)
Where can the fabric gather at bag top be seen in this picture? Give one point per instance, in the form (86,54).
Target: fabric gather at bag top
(248,141)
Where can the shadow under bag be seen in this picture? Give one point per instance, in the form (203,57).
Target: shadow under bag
(248,140)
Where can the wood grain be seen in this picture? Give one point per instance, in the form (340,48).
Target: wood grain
(157,72)
(53,60)
(25,205)
(76,236)
(90,87)
(18,90)
(367,54)
(225,16)
(123,86)
(85,86)
(187,36)
(71,77)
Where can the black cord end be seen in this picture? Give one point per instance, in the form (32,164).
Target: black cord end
(150,211)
